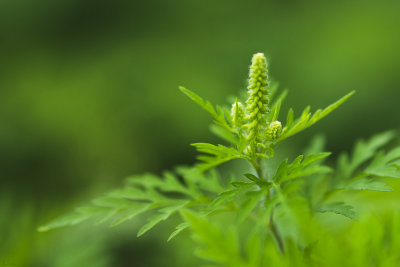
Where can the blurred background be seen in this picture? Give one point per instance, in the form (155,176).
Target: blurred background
(88,96)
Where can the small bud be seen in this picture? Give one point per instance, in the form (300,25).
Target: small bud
(274,130)
(237,114)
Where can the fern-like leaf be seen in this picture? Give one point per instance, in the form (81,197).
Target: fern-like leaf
(218,112)
(339,208)
(300,167)
(144,193)
(307,119)
(216,155)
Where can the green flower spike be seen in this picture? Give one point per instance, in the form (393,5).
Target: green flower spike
(237,114)
(257,101)
(274,130)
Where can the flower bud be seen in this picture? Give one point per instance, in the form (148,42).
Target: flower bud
(237,114)
(274,130)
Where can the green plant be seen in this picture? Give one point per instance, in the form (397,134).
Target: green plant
(270,215)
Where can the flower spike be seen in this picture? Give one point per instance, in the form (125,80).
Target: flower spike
(257,102)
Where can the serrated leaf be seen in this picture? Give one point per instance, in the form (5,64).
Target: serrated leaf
(301,167)
(217,113)
(304,121)
(230,194)
(215,245)
(164,214)
(224,134)
(197,180)
(206,105)
(384,164)
(131,213)
(178,229)
(256,180)
(310,159)
(142,193)
(339,208)
(368,184)
(66,220)
(218,155)
(307,172)
(384,172)
(363,151)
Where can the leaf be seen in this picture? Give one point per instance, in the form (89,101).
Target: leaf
(384,165)
(66,220)
(363,151)
(276,106)
(317,145)
(301,167)
(231,194)
(172,184)
(289,119)
(215,245)
(339,208)
(219,154)
(310,159)
(131,213)
(206,105)
(178,229)
(307,119)
(217,113)
(142,193)
(253,199)
(164,214)
(386,171)
(368,184)
(256,180)
(199,181)
(307,172)
(224,134)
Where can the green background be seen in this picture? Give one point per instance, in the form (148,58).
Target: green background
(88,95)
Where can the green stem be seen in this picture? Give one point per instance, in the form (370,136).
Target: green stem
(275,233)
(257,167)
(272,226)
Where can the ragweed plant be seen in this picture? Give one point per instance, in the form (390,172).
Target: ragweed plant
(271,214)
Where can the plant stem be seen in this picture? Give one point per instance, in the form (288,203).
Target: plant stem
(274,230)
(275,233)
(257,167)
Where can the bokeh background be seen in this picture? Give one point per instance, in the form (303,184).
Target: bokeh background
(88,96)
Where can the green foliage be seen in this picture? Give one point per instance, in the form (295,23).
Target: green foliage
(284,205)
(165,195)
(307,119)
(339,208)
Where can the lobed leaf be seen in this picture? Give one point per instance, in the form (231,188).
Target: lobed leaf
(219,154)
(368,184)
(218,113)
(141,194)
(178,229)
(363,151)
(307,119)
(301,167)
(164,214)
(339,208)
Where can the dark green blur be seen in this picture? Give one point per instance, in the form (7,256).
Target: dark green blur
(88,95)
